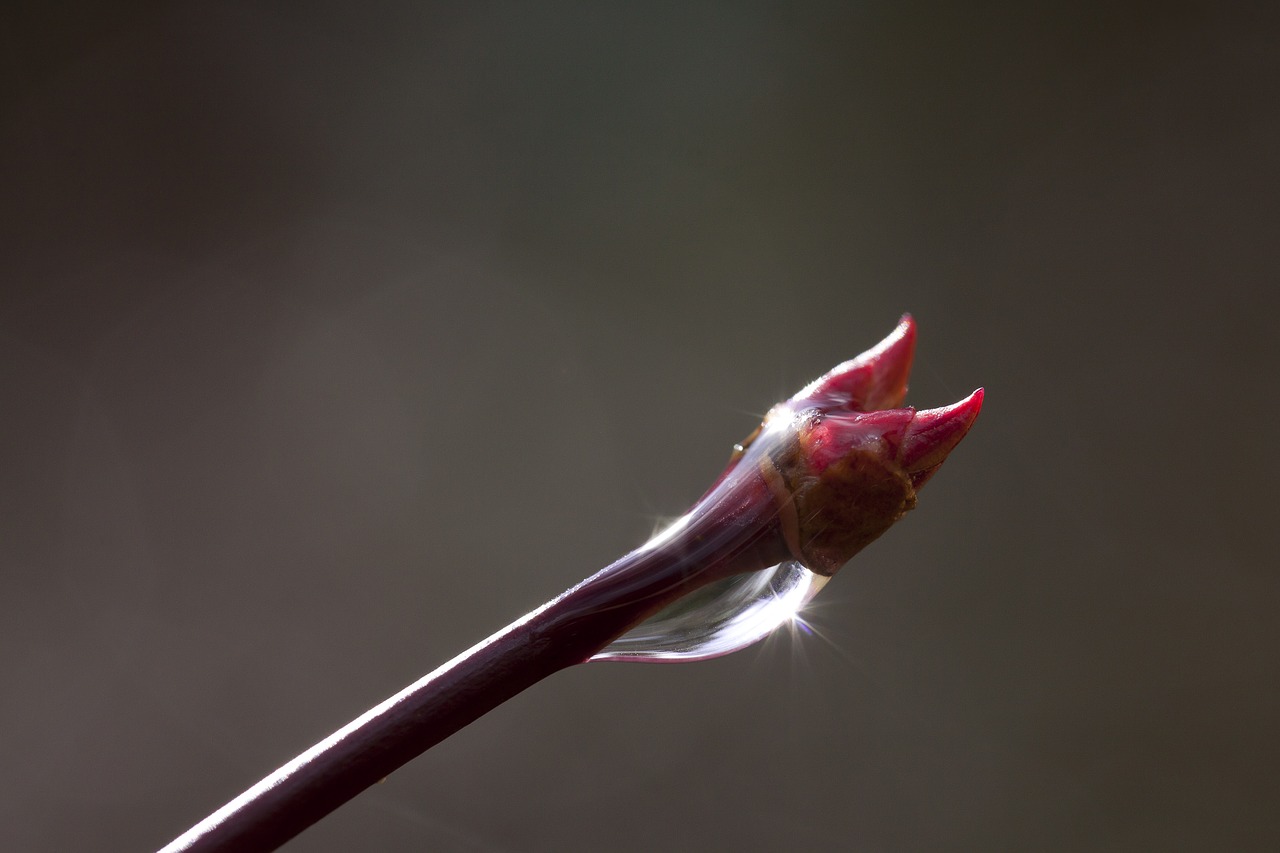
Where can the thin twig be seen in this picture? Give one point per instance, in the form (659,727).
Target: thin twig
(828,472)
(565,631)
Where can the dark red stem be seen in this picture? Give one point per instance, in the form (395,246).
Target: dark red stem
(729,533)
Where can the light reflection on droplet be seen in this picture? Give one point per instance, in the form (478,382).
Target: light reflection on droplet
(720,618)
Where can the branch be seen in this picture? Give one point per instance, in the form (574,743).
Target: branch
(826,473)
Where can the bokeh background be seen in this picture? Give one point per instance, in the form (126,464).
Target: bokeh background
(335,336)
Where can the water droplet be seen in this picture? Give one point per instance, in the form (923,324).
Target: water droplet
(719,618)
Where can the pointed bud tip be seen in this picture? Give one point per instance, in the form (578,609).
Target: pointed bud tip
(934,433)
(890,363)
(898,346)
(875,380)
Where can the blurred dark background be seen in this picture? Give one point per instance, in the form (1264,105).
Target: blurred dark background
(333,337)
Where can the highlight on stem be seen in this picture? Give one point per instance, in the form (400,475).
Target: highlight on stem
(826,473)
